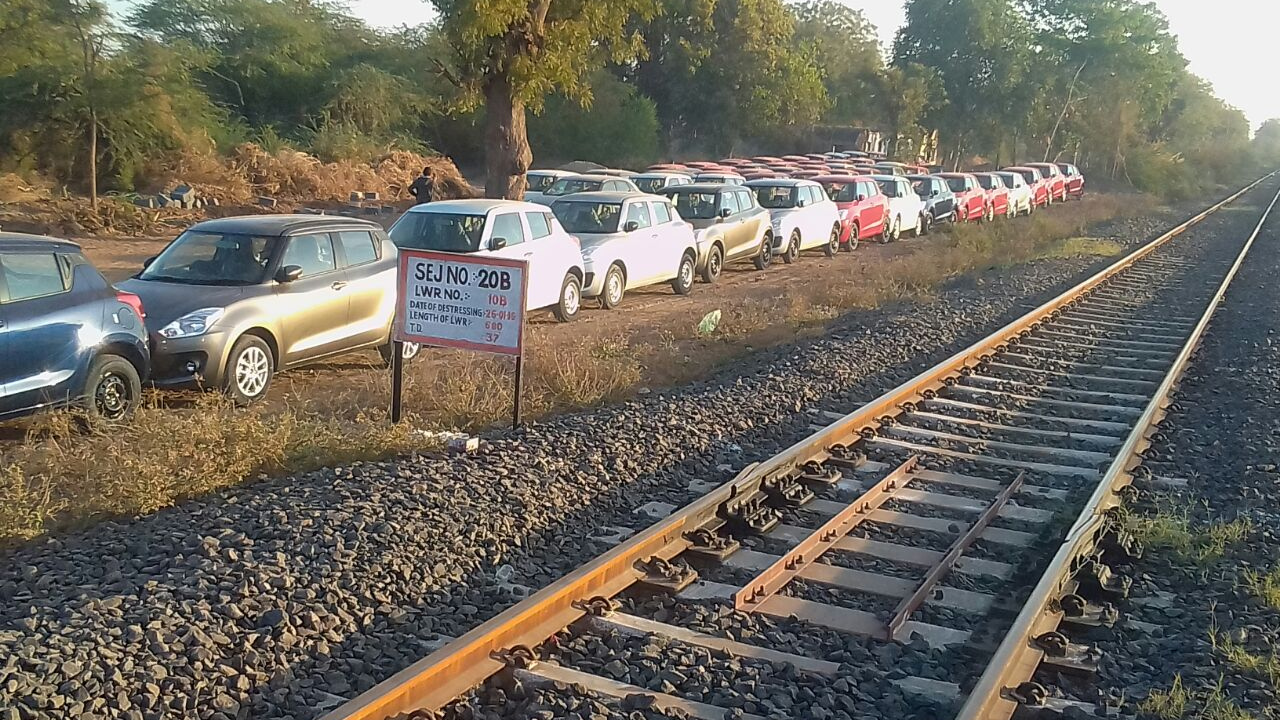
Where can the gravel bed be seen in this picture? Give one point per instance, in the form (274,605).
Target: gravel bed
(278,599)
(1223,437)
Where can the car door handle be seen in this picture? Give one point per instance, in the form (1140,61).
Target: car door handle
(529,254)
(338,285)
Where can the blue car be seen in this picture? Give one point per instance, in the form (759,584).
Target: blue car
(67,338)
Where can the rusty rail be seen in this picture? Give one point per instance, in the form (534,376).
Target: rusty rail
(438,679)
(1017,657)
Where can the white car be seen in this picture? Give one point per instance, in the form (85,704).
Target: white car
(720,178)
(905,206)
(803,216)
(629,240)
(539,181)
(593,182)
(506,229)
(1021,197)
(654,182)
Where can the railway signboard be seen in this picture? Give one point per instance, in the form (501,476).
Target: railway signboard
(467,302)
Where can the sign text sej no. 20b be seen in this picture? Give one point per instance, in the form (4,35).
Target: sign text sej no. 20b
(468,302)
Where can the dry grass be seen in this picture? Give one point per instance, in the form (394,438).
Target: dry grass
(1178,702)
(1172,528)
(1265,587)
(62,478)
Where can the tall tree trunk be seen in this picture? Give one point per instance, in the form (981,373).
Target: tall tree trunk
(93,159)
(507,153)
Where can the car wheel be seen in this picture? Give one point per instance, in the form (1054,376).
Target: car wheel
(715,263)
(249,370)
(682,283)
(570,299)
(990,213)
(854,232)
(926,224)
(615,286)
(833,245)
(408,351)
(957,218)
(111,391)
(895,232)
(793,248)
(764,258)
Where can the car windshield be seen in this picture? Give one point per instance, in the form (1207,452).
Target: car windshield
(776,197)
(566,186)
(922,187)
(888,187)
(956,184)
(841,192)
(540,182)
(1009,179)
(696,205)
(588,217)
(887,169)
(987,182)
(446,232)
(1029,175)
(208,258)
(649,184)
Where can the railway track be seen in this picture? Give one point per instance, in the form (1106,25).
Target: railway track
(925,555)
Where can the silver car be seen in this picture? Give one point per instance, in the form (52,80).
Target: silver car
(232,301)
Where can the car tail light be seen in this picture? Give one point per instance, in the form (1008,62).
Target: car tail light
(132,301)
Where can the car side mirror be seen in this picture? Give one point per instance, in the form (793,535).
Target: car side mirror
(147,263)
(631,226)
(934,193)
(725,212)
(861,197)
(497,243)
(288,273)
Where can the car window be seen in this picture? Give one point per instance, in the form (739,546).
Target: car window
(313,253)
(358,246)
(588,217)
(729,200)
(210,258)
(32,275)
(776,197)
(539,224)
(638,213)
(507,226)
(661,213)
(746,201)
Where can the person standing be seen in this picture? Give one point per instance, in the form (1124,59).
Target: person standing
(423,187)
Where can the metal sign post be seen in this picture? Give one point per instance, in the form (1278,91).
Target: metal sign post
(469,302)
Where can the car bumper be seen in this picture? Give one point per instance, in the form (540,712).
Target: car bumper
(189,362)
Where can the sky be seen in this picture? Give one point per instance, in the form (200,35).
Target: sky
(1230,43)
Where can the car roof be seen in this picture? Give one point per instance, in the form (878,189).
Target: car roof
(609,196)
(699,187)
(777,182)
(477,206)
(278,225)
(1015,168)
(21,242)
(658,174)
(551,171)
(591,176)
(878,178)
(919,176)
(953,174)
(840,177)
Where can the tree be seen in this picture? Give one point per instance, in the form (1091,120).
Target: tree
(847,50)
(619,127)
(513,53)
(1266,144)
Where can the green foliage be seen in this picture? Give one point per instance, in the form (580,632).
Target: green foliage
(619,128)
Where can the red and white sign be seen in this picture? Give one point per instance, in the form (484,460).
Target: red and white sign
(471,302)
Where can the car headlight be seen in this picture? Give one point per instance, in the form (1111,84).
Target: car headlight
(194,323)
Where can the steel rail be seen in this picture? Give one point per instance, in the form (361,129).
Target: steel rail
(1017,657)
(466,662)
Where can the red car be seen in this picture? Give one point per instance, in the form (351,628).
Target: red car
(997,194)
(863,207)
(1040,195)
(971,199)
(1075,180)
(1057,181)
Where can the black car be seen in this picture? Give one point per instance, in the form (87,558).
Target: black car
(66,336)
(939,200)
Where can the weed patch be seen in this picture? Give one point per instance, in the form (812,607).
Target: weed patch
(1173,529)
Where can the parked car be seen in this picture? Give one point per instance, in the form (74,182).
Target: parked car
(540,181)
(1075,180)
(905,207)
(504,229)
(729,225)
(888,168)
(628,240)
(232,301)
(614,172)
(939,201)
(722,178)
(802,215)
(1056,181)
(652,182)
(863,208)
(971,200)
(1021,198)
(997,194)
(1040,195)
(593,182)
(67,338)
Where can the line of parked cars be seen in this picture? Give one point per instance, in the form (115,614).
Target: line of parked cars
(231,302)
